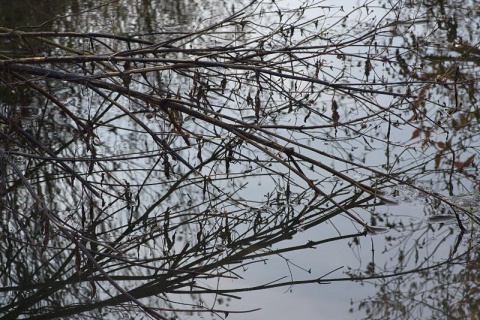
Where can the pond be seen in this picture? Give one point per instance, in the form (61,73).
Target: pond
(240,160)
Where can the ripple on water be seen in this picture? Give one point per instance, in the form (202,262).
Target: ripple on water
(440,218)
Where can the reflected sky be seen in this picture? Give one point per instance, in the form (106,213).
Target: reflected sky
(411,235)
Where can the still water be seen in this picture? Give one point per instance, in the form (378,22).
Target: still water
(347,202)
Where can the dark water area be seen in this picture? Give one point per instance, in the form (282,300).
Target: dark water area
(227,160)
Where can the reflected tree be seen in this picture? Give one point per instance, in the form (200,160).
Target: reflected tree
(142,171)
(446,290)
(445,120)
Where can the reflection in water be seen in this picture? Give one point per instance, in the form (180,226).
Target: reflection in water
(168,149)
